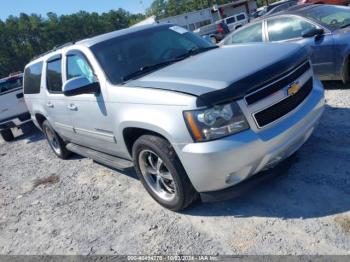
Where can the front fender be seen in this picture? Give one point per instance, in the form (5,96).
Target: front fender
(164,120)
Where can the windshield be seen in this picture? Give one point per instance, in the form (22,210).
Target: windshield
(333,17)
(10,83)
(122,56)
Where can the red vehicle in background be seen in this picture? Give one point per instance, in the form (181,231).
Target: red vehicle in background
(328,2)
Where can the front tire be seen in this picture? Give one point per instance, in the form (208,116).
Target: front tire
(56,143)
(7,135)
(162,173)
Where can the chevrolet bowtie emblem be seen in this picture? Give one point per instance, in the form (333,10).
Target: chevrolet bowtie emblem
(293,88)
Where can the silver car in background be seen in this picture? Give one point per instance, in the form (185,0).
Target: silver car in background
(194,119)
(325,29)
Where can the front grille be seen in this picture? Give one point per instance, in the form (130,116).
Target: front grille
(279,84)
(283,107)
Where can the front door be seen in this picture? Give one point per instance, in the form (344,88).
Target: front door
(91,120)
(322,54)
(291,28)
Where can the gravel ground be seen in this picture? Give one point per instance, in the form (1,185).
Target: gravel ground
(50,206)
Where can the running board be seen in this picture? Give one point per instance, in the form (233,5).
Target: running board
(100,157)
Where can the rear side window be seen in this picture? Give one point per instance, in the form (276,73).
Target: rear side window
(250,34)
(240,17)
(230,20)
(54,76)
(32,78)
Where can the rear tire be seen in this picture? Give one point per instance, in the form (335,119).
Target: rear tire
(162,173)
(56,143)
(7,135)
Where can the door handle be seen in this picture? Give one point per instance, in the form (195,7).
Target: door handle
(50,105)
(72,107)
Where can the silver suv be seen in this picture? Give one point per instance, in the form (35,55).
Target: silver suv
(194,119)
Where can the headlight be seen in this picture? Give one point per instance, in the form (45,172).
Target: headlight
(215,122)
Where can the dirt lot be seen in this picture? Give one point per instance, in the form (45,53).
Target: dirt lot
(49,206)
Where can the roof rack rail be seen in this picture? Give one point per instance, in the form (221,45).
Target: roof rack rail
(52,50)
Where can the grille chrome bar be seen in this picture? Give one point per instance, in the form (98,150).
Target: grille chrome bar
(273,87)
(284,107)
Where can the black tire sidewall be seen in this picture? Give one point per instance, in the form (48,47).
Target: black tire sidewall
(167,154)
(7,135)
(64,153)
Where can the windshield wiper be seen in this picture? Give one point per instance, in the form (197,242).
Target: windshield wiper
(195,51)
(148,68)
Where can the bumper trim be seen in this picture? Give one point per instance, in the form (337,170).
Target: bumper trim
(249,184)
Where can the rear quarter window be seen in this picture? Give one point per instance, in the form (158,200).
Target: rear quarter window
(32,78)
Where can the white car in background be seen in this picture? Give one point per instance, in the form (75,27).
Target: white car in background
(13,110)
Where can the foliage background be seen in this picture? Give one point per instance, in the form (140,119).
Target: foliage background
(26,36)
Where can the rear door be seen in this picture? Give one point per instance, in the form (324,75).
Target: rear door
(291,28)
(56,102)
(11,98)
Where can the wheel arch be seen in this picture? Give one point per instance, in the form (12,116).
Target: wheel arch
(131,134)
(40,118)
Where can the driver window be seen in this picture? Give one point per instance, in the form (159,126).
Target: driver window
(77,65)
(287,28)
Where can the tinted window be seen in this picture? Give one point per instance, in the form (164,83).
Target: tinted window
(10,83)
(230,20)
(240,17)
(77,65)
(127,54)
(287,28)
(32,78)
(249,34)
(331,16)
(54,76)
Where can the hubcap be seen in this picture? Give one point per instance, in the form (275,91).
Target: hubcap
(52,138)
(157,175)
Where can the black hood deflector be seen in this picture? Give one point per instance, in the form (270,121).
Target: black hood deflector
(238,89)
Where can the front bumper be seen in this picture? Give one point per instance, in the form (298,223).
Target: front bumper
(15,121)
(223,163)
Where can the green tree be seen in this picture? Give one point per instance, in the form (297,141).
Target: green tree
(26,36)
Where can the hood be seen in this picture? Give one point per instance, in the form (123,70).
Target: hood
(225,73)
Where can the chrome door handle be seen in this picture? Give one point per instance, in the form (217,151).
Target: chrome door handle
(50,105)
(72,107)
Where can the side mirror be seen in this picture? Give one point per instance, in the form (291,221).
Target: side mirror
(313,32)
(80,85)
